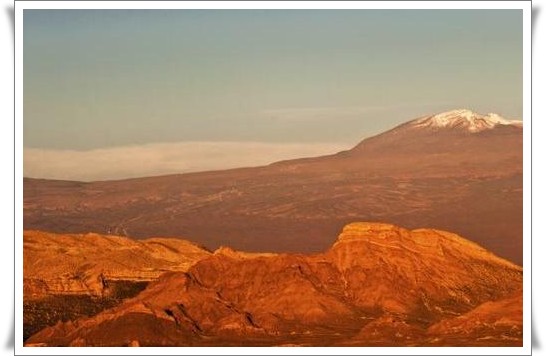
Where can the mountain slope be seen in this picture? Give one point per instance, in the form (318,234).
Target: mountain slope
(491,322)
(69,276)
(456,171)
(376,281)
(76,264)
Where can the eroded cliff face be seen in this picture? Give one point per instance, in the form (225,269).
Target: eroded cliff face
(378,284)
(419,271)
(70,276)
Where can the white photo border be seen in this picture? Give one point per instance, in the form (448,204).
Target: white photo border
(525,6)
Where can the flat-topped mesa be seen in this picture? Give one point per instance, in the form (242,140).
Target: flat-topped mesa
(229,252)
(359,231)
(383,237)
(377,231)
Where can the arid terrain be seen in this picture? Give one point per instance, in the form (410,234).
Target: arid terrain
(411,238)
(378,285)
(457,171)
(69,276)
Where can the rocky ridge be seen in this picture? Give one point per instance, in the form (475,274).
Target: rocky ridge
(70,276)
(85,263)
(377,284)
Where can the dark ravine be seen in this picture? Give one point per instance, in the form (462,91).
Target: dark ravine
(418,174)
(378,285)
(49,310)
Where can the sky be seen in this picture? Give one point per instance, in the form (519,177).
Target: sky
(147,92)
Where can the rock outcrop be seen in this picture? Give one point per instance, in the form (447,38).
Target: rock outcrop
(85,263)
(69,276)
(378,284)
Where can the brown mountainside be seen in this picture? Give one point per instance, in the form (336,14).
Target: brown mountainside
(419,174)
(377,283)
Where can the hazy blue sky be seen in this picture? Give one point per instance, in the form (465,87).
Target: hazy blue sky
(106,78)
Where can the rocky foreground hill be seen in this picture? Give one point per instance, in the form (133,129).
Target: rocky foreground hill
(378,284)
(69,276)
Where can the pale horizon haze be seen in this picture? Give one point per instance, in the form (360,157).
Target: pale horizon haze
(112,94)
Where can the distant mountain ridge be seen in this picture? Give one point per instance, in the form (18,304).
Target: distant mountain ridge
(456,171)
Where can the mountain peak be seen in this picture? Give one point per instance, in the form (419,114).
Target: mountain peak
(463,119)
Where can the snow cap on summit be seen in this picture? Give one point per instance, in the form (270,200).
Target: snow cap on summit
(464,118)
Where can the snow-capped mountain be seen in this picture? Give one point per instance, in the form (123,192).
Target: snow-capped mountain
(454,179)
(463,119)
